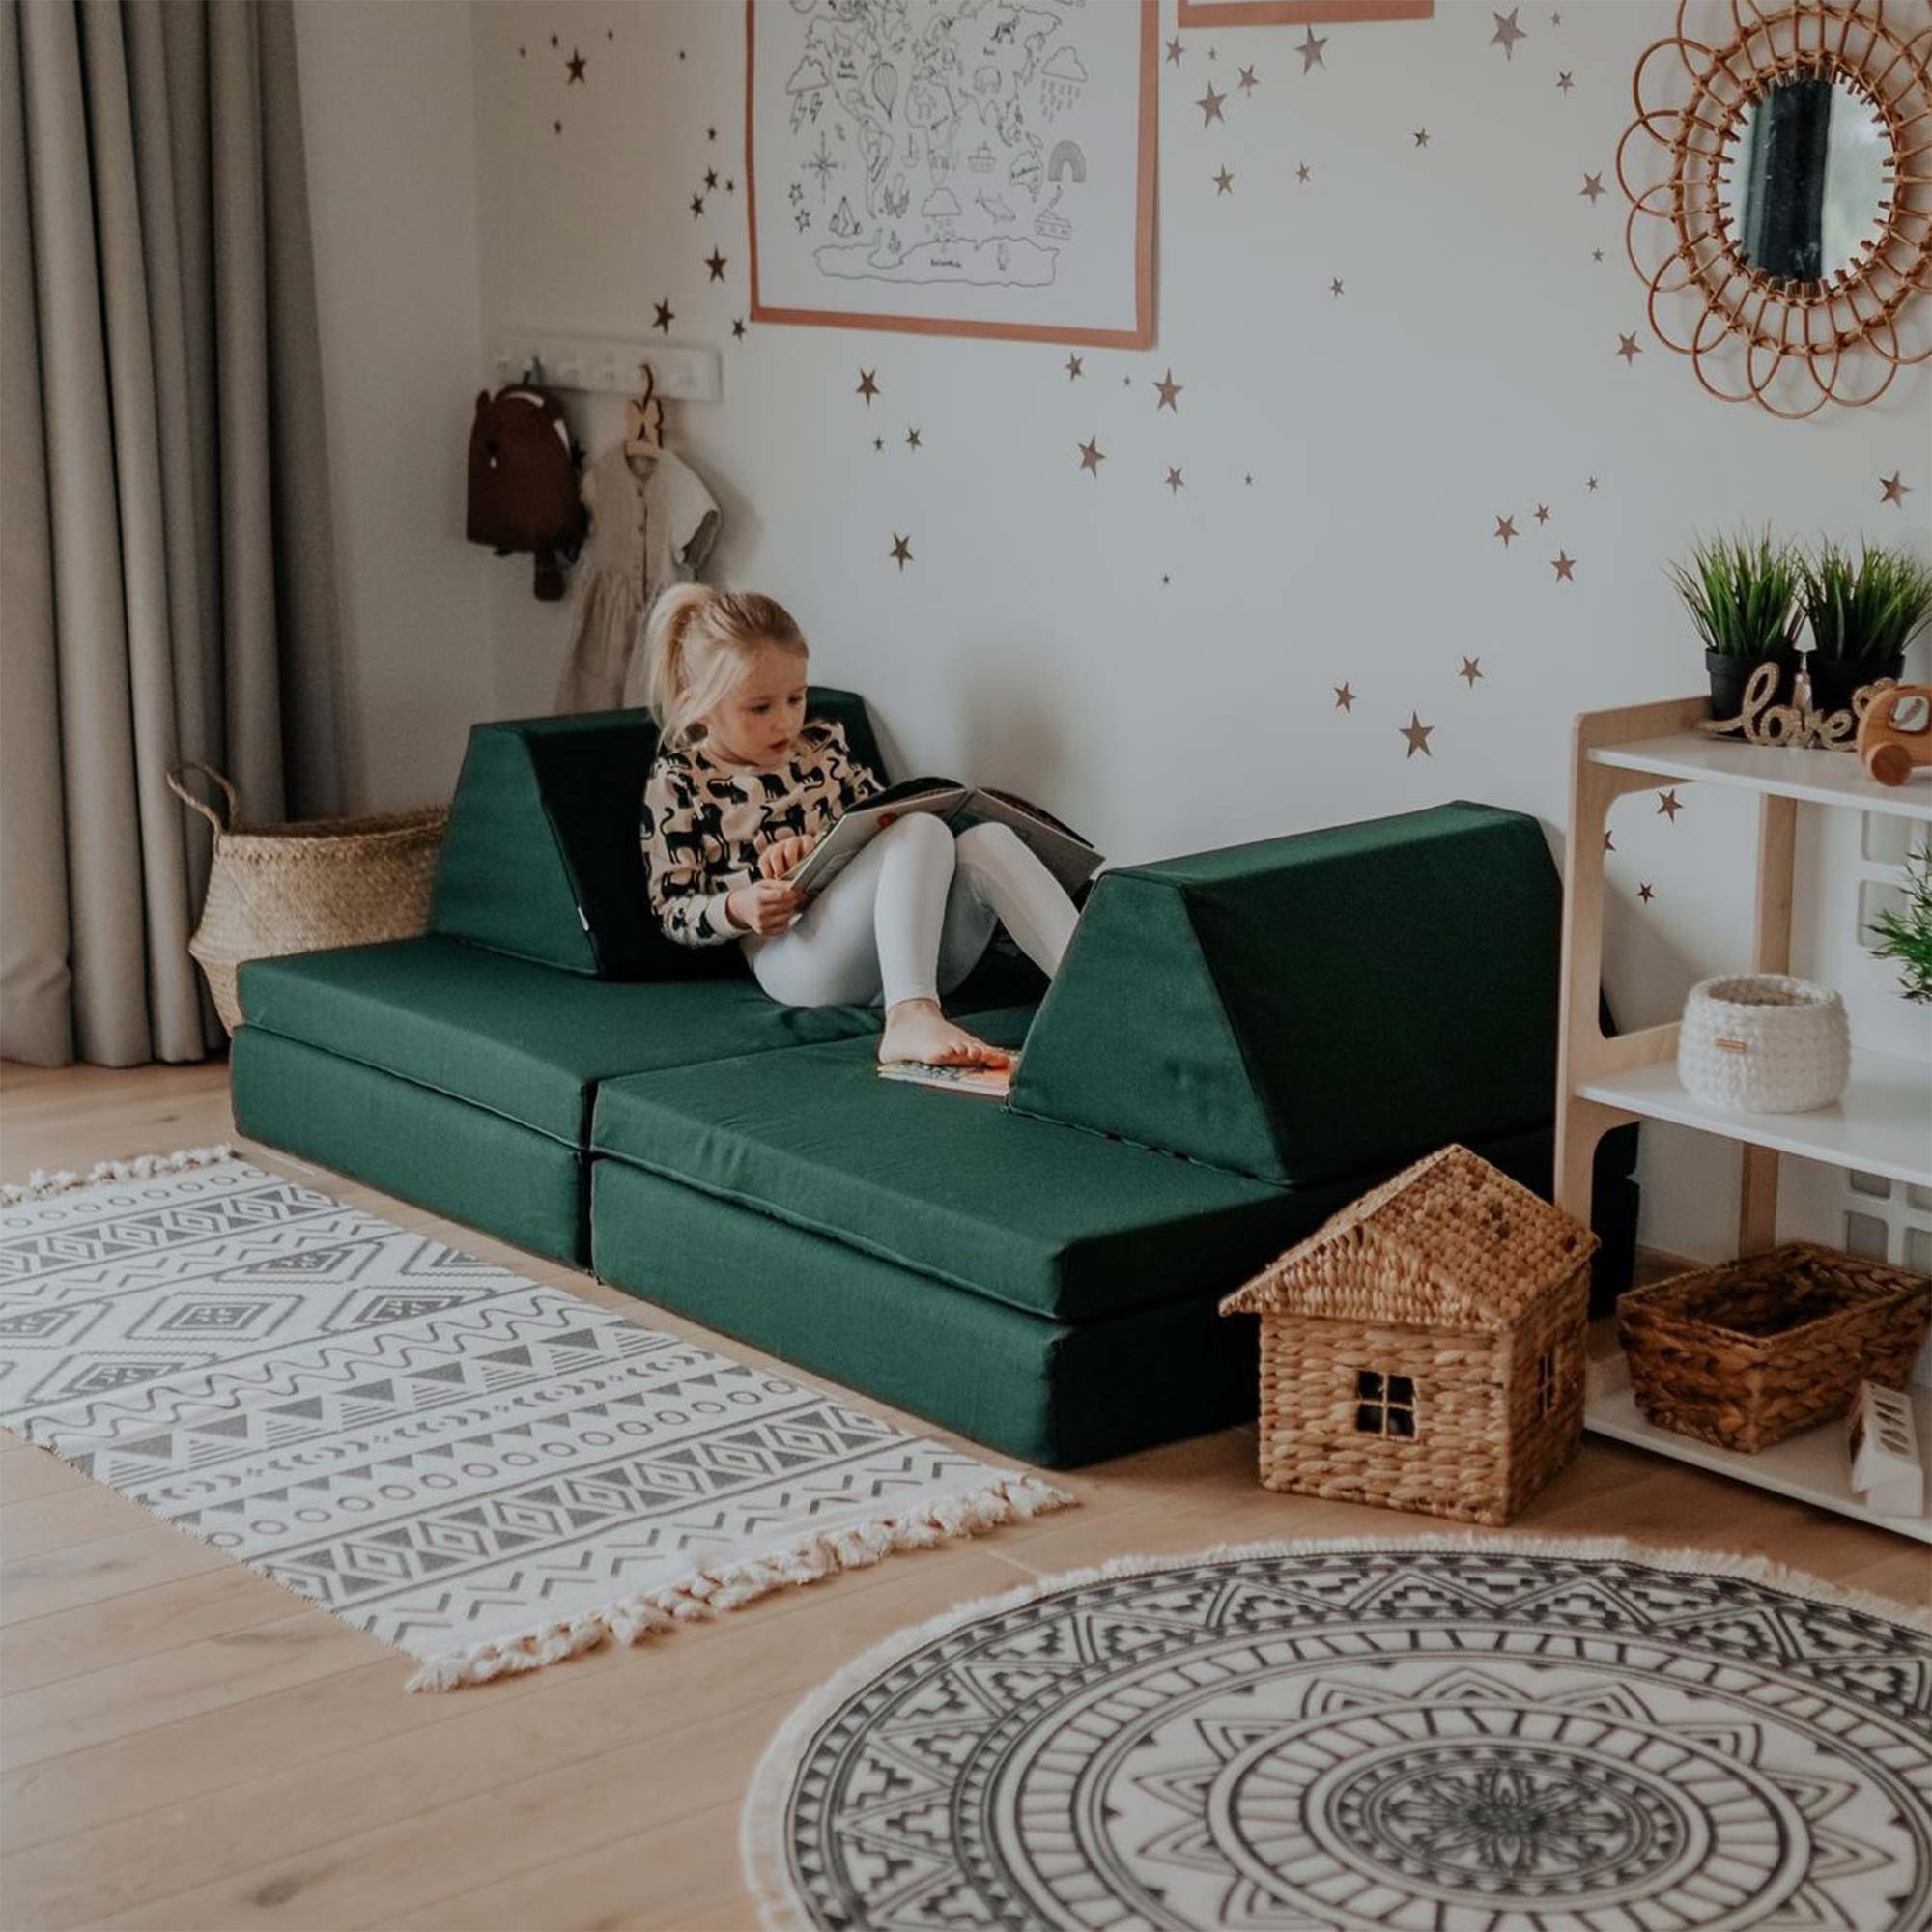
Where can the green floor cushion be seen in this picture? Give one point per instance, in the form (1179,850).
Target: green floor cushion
(524,1041)
(454,1159)
(1314,1006)
(1034,1214)
(1041,1390)
(543,861)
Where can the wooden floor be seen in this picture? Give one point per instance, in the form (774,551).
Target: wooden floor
(184,1745)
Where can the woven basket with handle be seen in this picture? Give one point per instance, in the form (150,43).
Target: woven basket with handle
(1758,1349)
(301,887)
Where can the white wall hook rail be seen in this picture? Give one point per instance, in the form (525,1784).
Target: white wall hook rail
(608,365)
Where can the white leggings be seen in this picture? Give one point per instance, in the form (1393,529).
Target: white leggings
(910,917)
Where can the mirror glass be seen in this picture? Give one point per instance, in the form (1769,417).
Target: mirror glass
(1807,174)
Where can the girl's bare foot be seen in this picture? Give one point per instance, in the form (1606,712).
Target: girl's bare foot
(916,1030)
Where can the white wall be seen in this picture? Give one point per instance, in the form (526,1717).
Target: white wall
(1467,372)
(389,126)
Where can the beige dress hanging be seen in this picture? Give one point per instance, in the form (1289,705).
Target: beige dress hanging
(652,523)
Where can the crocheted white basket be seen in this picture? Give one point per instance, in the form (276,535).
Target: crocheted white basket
(1764,1043)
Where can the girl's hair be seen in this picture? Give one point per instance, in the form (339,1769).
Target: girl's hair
(698,645)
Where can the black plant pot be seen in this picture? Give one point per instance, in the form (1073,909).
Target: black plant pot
(1835,679)
(1730,675)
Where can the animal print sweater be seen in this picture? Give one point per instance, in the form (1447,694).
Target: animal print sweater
(705,822)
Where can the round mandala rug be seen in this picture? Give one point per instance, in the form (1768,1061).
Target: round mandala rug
(1425,1736)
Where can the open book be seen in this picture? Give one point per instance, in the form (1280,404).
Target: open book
(1058,847)
(994,1083)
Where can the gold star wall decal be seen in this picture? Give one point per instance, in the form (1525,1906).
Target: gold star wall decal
(1310,51)
(1506,529)
(1168,390)
(1092,456)
(1593,186)
(912,439)
(1247,82)
(1893,488)
(1174,482)
(1564,83)
(1173,51)
(1345,698)
(1417,735)
(1507,33)
(1543,513)
(696,206)
(1645,890)
(1629,347)
(737,328)
(901,552)
(1302,173)
(1472,670)
(1224,183)
(1210,105)
(1669,804)
(1565,567)
(1590,483)
(1596,255)
(1075,365)
(1421,137)
(664,318)
(710,178)
(1335,286)
(868,386)
(715,262)
(576,64)
(1609,844)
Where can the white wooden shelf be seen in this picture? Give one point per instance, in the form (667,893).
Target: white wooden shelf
(1818,778)
(1882,1125)
(1811,1468)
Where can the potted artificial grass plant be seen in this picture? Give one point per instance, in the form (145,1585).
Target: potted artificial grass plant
(1741,593)
(1862,612)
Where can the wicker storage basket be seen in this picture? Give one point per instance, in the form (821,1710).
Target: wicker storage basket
(1764,1042)
(298,888)
(1745,1354)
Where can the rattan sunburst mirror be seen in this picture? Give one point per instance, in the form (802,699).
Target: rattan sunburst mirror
(1779,177)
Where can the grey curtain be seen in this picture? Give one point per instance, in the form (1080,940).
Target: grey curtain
(165,555)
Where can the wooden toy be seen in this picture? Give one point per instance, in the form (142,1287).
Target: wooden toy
(1882,1441)
(1895,733)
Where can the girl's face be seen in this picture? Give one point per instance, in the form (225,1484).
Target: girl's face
(760,723)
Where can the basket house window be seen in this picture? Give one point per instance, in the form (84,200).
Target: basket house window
(1546,1381)
(1385,1403)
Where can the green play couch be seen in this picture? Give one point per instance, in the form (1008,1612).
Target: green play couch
(1237,1043)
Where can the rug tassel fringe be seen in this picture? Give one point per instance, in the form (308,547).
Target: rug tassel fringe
(44,1184)
(708,1592)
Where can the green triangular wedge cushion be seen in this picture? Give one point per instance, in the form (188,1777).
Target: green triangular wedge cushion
(1334,1003)
(542,859)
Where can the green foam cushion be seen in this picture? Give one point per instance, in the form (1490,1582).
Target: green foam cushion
(522,1040)
(1025,1384)
(1307,1007)
(543,860)
(1063,1224)
(449,1157)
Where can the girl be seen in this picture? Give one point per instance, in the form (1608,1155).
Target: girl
(741,790)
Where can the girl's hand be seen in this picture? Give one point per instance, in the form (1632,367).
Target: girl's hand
(776,860)
(767,906)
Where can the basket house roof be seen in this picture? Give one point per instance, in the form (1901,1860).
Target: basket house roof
(1451,1242)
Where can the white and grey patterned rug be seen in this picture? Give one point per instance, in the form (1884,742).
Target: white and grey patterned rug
(483,1472)
(1421,1737)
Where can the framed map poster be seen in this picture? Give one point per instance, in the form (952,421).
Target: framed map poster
(953,167)
(1293,13)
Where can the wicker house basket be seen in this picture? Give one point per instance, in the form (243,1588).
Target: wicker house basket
(298,888)
(1749,1354)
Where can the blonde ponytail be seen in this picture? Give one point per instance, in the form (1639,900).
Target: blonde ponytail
(698,644)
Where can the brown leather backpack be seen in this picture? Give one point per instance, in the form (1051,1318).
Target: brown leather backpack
(522,482)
